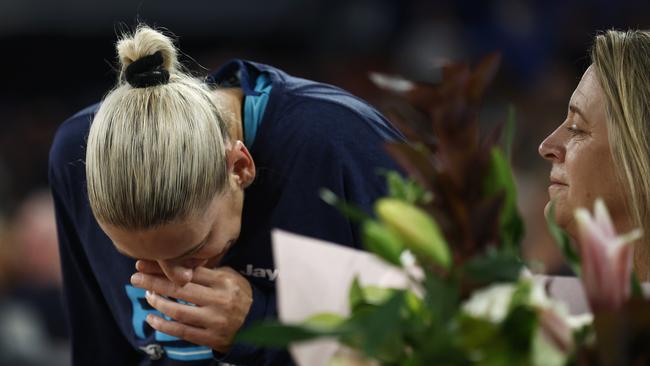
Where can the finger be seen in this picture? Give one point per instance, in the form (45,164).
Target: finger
(218,278)
(186,314)
(206,276)
(187,332)
(190,292)
(149,267)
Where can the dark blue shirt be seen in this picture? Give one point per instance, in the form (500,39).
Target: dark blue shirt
(311,136)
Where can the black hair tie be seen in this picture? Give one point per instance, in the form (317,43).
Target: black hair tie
(147,71)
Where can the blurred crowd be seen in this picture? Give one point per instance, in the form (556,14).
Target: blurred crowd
(32,326)
(58,66)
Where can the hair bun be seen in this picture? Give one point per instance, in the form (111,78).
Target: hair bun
(147,71)
(147,57)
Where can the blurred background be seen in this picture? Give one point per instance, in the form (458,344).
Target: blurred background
(58,57)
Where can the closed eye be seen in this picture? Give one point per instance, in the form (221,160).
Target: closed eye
(575,131)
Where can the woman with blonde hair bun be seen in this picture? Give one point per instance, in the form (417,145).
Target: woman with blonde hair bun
(167,190)
(602,149)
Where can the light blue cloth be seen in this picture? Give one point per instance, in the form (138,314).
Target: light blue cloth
(254,106)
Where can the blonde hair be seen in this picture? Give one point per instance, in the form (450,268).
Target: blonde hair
(622,61)
(154,154)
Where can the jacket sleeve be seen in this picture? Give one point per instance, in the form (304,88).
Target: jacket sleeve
(95,337)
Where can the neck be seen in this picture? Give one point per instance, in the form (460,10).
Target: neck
(230,100)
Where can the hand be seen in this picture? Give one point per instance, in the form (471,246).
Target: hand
(222,299)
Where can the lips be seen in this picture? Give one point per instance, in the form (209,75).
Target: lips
(556,185)
(555,180)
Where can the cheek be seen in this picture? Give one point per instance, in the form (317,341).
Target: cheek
(591,173)
(589,167)
(229,228)
(584,166)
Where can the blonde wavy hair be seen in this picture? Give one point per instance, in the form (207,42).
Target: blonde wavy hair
(622,61)
(155,154)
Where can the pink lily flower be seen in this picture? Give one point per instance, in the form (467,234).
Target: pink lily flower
(606,258)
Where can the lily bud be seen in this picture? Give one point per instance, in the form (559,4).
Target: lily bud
(420,232)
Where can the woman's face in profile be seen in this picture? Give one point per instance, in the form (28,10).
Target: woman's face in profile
(179,247)
(582,165)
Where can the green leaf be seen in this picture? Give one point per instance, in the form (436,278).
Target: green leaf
(544,353)
(351,212)
(325,322)
(562,240)
(521,296)
(382,241)
(348,359)
(375,295)
(521,322)
(441,298)
(410,360)
(359,296)
(519,326)
(396,185)
(274,334)
(500,179)
(482,342)
(405,189)
(476,333)
(419,231)
(355,294)
(494,266)
(417,319)
(415,305)
(378,330)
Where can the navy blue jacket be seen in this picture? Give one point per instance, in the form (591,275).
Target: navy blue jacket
(312,135)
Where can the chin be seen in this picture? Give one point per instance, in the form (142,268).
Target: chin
(563,216)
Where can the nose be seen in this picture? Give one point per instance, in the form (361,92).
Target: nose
(552,148)
(180,272)
(176,273)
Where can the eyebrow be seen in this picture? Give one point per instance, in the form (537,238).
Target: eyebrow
(191,251)
(573,108)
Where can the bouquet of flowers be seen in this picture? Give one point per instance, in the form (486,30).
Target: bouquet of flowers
(453,230)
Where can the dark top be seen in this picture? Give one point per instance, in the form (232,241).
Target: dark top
(312,135)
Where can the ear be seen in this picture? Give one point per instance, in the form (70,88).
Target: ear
(240,164)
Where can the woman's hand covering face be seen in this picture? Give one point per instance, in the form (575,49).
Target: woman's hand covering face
(213,305)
